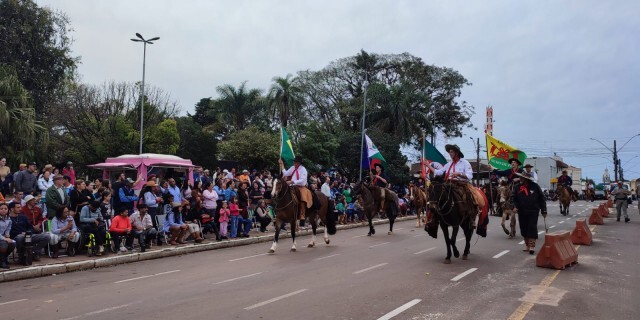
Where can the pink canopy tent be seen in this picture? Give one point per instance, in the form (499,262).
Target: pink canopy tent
(143,164)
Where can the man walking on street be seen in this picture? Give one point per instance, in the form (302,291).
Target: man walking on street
(620,194)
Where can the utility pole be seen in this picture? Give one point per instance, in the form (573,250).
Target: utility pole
(615,160)
(478,161)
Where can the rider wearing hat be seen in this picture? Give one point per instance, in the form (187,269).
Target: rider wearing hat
(534,175)
(512,174)
(378,177)
(566,181)
(297,175)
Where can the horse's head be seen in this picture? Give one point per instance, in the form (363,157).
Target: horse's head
(357,188)
(279,187)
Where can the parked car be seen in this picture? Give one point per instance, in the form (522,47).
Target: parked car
(600,195)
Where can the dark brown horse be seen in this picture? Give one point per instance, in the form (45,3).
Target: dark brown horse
(565,196)
(286,210)
(419,201)
(371,203)
(451,213)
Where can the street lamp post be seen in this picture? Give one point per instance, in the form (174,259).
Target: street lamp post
(144,62)
(616,161)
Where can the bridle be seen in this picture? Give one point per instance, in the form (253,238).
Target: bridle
(280,195)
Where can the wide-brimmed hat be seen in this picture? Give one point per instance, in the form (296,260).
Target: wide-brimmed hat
(454,147)
(297,159)
(152,183)
(377,164)
(525,175)
(28,198)
(516,160)
(176,204)
(528,165)
(245,171)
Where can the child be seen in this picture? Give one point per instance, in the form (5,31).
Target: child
(340,207)
(234,213)
(224,219)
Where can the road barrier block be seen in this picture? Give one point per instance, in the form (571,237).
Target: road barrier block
(581,234)
(595,217)
(604,212)
(557,251)
(609,203)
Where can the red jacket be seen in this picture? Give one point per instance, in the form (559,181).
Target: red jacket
(120,224)
(34,216)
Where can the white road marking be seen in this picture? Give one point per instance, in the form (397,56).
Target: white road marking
(521,242)
(398,229)
(501,254)
(322,258)
(238,278)
(253,256)
(460,239)
(552,227)
(379,244)
(149,276)
(400,309)
(423,251)
(464,274)
(101,311)
(541,232)
(13,301)
(275,299)
(360,236)
(370,268)
(418,235)
(567,219)
(561,222)
(574,215)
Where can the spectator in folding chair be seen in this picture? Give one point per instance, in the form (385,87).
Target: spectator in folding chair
(143,227)
(6,243)
(92,222)
(261,215)
(63,227)
(189,219)
(121,227)
(173,224)
(20,228)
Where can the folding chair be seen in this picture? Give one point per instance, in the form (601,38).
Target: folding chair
(252,217)
(160,220)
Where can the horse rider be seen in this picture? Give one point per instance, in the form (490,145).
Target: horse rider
(528,169)
(565,181)
(379,180)
(297,175)
(458,170)
(512,174)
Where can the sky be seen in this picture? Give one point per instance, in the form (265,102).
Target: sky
(557,73)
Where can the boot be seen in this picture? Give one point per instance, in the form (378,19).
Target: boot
(54,251)
(181,236)
(3,261)
(174,237)
(302,211)
(197,238)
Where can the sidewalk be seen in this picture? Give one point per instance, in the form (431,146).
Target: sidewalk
(50,266)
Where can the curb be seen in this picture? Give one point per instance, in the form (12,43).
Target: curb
(58,268)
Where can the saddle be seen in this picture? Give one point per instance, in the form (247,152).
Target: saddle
(303,194)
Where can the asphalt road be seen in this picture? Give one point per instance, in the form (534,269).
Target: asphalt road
(355,277)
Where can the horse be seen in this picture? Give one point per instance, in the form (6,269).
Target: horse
(419,201)
(504,196)
(371,203)
(565,196)
(451,213)
(491,192)
(286,210)
(589,195)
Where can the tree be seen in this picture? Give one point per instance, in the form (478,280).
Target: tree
(196,143)
(240,107)
(19,128)
(251,148)
(317,146)
(35,42)
(164,138)
(285,99)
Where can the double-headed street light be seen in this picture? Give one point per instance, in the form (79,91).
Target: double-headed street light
(144,60)
(616,161)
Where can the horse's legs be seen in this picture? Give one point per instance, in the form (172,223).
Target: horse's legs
(468,233)
(454,235)
(293,233)
(275,238)
(447,241)
(512,224)
(505,213)
(418,211)
(392,219)
(372,231)
(314,226)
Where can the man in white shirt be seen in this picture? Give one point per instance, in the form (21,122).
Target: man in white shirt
(326,189)
(143,227)
(297,177)
(534,175)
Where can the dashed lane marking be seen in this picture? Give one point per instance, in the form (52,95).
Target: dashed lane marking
(464,274)
(552,227)
(521,242)
(326,257)
(561,222)
(88,314)
(257,305)
(370,268)
(400,309)
(238,278)
(379,244)
(149,276)
(13,301)
(425,250)
(253,256)
(501,254)
(541,232)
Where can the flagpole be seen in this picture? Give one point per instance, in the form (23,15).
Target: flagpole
(364,108)
(281,137)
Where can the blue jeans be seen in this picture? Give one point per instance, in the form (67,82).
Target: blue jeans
(233,221)
(246,223)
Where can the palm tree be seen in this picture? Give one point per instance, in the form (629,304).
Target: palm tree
(285,98)
(19,129)
(239,106)
(397,110)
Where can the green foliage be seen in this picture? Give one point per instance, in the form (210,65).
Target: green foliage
(285,99)
(317,146)
(251,148)
(34,41)
(163,138)
(196,143)
(19,130)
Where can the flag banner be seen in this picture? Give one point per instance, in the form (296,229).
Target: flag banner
(499,153)
(430,154)
(286,149)
(371,155)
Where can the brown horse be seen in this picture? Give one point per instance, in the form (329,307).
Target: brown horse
(419,201)
(286,210)
(589,195)
(371,202)
(565,197)
(506,204)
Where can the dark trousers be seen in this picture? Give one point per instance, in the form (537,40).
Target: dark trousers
(145,236)
(117,239)
(98,231)
(244,225)
(264,222)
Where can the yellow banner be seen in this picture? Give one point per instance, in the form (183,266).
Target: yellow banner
(499,153)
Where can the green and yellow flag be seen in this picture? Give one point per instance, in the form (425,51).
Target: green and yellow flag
(499,153)
(286,149)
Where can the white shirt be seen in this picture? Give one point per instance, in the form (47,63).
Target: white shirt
(462,166)
(534,175)
(326,190)
(299,178)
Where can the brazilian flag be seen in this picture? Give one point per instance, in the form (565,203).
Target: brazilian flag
(286,149)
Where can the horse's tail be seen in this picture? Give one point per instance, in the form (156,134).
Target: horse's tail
(332,217)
